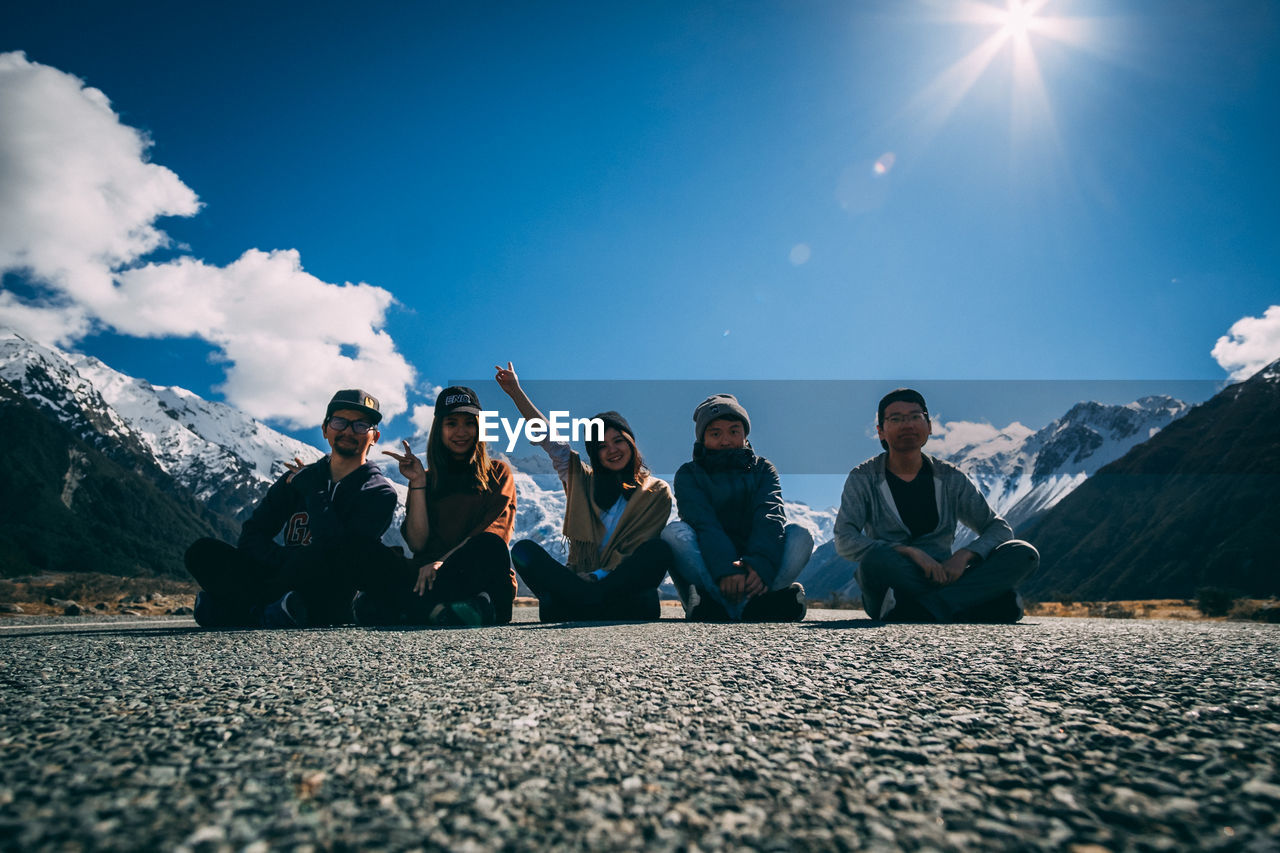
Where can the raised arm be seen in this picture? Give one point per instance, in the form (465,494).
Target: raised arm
(560,453)
(510,383)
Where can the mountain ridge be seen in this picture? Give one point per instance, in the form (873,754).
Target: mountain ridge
(1199,501)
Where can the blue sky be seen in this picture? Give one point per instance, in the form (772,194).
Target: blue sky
(689,190)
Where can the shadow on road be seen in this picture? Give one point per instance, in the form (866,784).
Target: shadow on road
(843,624)
(527,626)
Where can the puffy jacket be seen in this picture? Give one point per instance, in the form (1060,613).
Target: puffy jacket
(733,501)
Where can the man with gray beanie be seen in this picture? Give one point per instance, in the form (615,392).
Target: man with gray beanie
(897,521)
(735,556)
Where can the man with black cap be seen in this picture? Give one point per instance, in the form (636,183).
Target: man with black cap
(329,517)
(735,556)
(897,521)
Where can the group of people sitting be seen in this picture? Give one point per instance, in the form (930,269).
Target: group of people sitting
(312,552)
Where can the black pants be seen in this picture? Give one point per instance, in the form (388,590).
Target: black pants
(242,585)
(628,593)
(1004,568)
(483,564)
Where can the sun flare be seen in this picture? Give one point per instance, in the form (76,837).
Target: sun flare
(1018,18)
(1017,28)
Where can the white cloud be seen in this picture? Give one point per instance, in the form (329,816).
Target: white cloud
(420,418)
(423,417)
(78,206)
(953,436)
(78,198)
(289,338)
(1250,344)
(45,323)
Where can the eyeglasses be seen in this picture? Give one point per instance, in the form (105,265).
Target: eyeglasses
(913,419)
(338,424)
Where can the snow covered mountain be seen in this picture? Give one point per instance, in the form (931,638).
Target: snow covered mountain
(1197,505)
(1024,472)
(222,456)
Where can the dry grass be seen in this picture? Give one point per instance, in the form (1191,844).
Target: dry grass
(1159,608)
(97,593)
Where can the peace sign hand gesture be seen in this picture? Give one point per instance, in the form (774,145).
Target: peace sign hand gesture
(411,467)
(294,467)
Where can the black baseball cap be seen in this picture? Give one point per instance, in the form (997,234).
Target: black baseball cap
(355,398)
(457,399)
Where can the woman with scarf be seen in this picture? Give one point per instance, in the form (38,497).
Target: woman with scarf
(615,511)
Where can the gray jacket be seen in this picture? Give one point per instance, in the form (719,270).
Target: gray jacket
(868,516)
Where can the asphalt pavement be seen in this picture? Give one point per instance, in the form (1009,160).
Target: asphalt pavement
(836,733)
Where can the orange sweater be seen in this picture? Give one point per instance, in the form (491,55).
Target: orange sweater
(460,515)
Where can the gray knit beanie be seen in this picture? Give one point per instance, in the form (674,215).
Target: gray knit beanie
(719,406)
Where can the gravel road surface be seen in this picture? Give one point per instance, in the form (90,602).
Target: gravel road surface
(836,733)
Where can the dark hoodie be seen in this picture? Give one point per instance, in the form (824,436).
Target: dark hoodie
(733,501)
(314,515)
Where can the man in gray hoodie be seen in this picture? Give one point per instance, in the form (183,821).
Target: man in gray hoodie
(897,521)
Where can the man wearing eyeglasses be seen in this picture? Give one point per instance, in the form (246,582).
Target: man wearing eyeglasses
(897,521)
(312,539)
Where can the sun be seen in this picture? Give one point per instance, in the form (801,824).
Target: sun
(1015,20)
(1019,18)
(1015,28)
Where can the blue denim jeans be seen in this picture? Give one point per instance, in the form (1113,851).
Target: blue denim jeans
(689,567)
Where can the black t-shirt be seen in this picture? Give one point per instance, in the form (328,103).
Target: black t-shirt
(915,500)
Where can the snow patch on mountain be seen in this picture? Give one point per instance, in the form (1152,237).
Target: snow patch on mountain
(1022,472)
(49,381)
(224,457)
(205,445)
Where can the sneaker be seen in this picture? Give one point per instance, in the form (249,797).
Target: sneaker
(288,612)
(442,616)
(209,612)
(1004,609)
(482,604)
(792,606)
(907,610)
(470,612)
(779,605)
(886,606)
(691,602)
(370,610)
(703,608)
